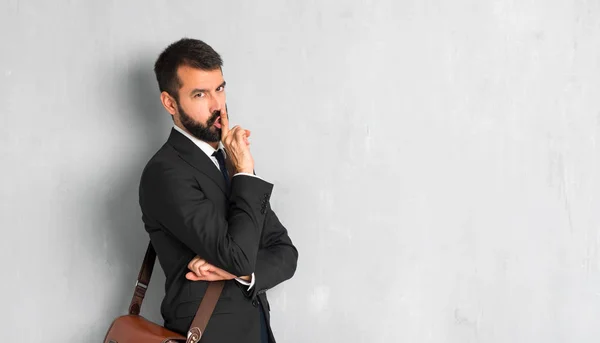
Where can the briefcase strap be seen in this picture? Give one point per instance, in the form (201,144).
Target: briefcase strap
(143,280)
(205,310)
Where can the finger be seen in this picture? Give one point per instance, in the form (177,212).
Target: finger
(204,269)
(196,268)
(211,277)
(224,123)
(193,277)
(222,273)
(246,138)
(218,271)
(230,136)
(197,263)
(240,131)
(192,262)
(240,135)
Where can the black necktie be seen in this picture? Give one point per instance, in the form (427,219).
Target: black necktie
(220,156)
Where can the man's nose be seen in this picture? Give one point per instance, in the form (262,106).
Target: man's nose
(215,105)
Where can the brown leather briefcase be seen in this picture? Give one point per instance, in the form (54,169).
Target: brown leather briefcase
(133,328)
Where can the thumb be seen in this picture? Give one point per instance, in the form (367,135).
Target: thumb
(192,276)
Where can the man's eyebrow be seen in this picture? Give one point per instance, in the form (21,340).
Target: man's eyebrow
(198,90)
(202,90)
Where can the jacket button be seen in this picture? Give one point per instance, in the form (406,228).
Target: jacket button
(255,303)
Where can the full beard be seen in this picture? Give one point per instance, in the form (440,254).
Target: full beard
(207,133)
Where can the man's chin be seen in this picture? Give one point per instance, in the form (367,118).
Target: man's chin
(214,139)
(210,135)
(217,133)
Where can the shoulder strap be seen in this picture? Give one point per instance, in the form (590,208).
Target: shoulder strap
(141,285)
(205,310)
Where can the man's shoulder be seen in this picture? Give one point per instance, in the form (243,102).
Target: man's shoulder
(167,165)
(165,159)
(164,154)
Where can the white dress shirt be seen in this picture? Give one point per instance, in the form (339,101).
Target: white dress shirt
(209,151)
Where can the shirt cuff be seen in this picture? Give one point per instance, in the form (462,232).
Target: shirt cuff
(248,174)
(246,283)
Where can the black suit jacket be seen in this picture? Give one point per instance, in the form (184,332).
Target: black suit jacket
(187,211)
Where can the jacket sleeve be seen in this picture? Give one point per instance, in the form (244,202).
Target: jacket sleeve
(175,200)
(277,258)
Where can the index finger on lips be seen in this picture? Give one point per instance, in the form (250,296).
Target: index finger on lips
(224,124)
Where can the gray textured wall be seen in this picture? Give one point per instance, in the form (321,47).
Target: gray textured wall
(435,162)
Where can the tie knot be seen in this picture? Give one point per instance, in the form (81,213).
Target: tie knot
(220,155)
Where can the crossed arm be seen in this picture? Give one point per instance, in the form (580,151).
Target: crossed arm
(276,260)
(250,240)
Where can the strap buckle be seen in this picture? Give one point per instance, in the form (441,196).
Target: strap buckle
(143,285)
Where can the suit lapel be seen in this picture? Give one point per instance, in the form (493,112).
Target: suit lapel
(196,158)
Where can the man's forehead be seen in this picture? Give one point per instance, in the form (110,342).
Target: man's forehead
(198,78)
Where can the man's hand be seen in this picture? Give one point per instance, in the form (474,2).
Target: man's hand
(200,270)
(237,146)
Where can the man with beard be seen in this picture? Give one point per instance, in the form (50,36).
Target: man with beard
(208,216)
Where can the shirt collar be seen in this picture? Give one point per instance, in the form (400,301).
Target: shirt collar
(205,147)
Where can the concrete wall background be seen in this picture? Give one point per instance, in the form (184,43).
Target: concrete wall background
(435,162)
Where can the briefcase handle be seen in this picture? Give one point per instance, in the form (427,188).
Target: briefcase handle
(205,310)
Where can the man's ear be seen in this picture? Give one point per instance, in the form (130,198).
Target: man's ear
(168,103)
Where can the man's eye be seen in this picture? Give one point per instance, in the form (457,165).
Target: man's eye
(198,95)
(221,88)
